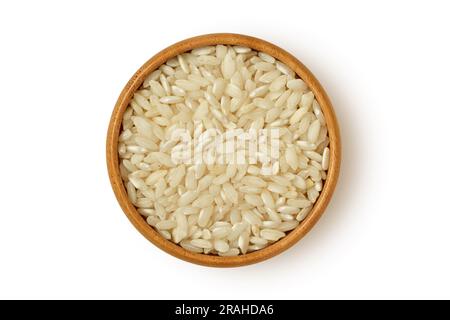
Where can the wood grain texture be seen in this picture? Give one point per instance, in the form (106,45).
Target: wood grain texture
(115,127)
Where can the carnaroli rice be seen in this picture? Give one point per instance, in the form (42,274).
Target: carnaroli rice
(224,150)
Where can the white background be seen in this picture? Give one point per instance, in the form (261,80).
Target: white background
(386,67)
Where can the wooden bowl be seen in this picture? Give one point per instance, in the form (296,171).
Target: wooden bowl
(115,128)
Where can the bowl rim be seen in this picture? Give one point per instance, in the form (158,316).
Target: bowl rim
(115,128)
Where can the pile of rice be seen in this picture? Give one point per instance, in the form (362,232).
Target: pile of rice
(215,208)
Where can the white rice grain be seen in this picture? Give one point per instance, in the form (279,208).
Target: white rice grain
(166,225)
(272,234)
(325,158)
(202,243)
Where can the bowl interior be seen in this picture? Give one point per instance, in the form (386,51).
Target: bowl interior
(115,128)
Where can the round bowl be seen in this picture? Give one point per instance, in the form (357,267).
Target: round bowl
(115,128)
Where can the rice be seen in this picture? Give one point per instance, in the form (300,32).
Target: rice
(217,206)
(276,188)
(272,234)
